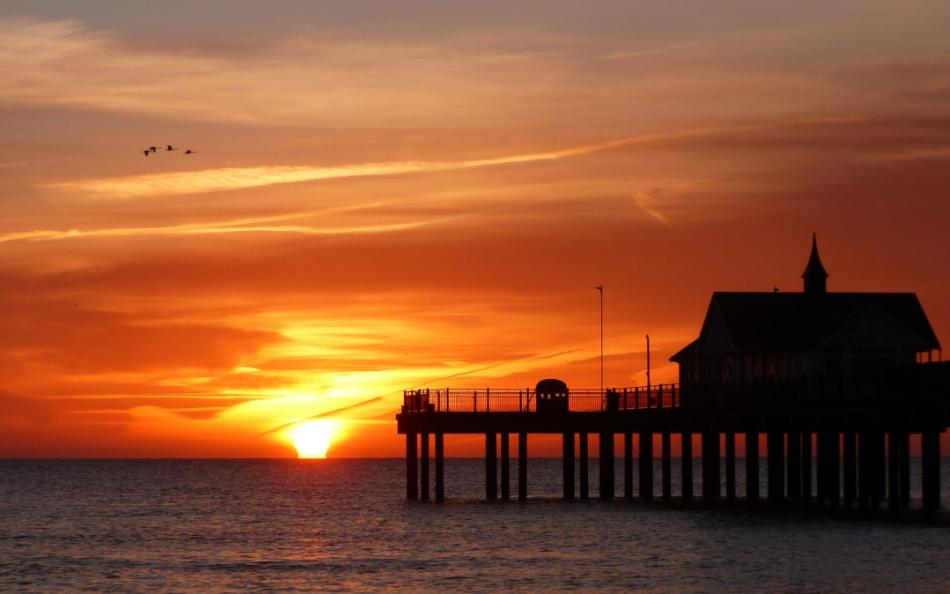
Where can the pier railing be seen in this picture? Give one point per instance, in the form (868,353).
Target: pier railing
(488,400)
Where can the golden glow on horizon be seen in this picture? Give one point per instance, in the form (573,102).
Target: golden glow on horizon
(313,439)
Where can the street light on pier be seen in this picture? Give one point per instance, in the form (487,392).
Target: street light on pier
(600,288)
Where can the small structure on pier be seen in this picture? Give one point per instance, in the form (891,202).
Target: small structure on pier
(552,396)
(808,345)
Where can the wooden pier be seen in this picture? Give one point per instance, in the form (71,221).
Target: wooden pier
(846,379)
(862,442)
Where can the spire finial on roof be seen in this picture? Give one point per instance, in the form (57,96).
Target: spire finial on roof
(816,279)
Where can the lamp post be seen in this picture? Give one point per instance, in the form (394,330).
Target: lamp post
(600,288)
(649,383)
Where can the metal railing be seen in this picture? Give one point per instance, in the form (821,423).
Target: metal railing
(489,400)
(899,385)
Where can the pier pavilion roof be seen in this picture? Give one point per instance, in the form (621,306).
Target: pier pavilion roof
(796,321)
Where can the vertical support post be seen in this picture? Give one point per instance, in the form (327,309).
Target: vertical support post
(568,463)
(424,458)
(628,465)
(412,481)
(794,470)
(864,469)
(491,469)
(893,474)
(806,469)
(850,468)
(877,468)
(646,466)
(439,467)
(686,472)
(667,470)
(606,468)
(882,465)
(505,467)
(821,465)
(711,479)
(834,468)
(585,487)
(776,472)
(904,438)
(730,467)
(752,467)
(930,471)
(522,466)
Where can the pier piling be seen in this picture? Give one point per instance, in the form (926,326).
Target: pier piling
(752,467)
(505,468)
(522,466)
(930,470)
(646,466)
(606,466)
(412,481)
(904,452)
(439,467)
(491,468)
(776,471)
(584,460)
(865,464)
(424,459)
(806,469)
(686,472)
(568,464)
(893,475)
(628,465)
(667,478)
(710,456)
(850,468)
(730,467)
(794,469)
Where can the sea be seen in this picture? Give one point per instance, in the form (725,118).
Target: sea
(344,525)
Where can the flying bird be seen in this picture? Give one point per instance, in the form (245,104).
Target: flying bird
(191,152)
(146,151)
(171,148)
(153,148)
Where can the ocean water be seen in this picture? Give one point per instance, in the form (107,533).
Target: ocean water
(343,525)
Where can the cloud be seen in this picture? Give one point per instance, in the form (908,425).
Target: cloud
(627,55)
(303,80)
(234,178)
(647,202)
(209,229)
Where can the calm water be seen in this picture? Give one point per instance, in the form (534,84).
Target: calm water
(343,525)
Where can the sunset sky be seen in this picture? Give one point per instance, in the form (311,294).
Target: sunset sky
(389,195)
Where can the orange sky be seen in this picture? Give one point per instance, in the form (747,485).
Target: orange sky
(385,198)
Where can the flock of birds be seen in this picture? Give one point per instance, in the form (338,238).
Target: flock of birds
(154,149)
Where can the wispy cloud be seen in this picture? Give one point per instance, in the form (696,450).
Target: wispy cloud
(234,178)
(627,55)
(299,80)
(647,202)
(245,225)
(910,154)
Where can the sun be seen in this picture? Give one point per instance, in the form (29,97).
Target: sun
(313,438)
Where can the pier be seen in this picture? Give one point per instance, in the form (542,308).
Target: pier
(860,445)
(847,383)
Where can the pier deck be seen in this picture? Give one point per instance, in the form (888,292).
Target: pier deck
(860,438)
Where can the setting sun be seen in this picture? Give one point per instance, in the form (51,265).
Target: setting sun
(312,439)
